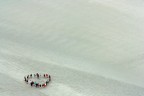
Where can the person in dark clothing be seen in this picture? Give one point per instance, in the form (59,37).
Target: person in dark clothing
(47,82)
(49,78)
(40,85)
(37,75)
(36,84)
(31,75)
(32,83)
(25,78)
(44,75)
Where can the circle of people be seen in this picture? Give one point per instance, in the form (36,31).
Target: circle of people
(34,83)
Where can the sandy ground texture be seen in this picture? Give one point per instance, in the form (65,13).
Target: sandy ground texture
(90,47)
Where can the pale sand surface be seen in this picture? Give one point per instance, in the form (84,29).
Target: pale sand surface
(90,47)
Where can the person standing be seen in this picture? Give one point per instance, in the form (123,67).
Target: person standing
(49,78)
(47,82)
(32,83)
(46,75)
(31,75)
(25,79)
(28,77)
(37,75)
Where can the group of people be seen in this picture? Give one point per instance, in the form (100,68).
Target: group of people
(36,84)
